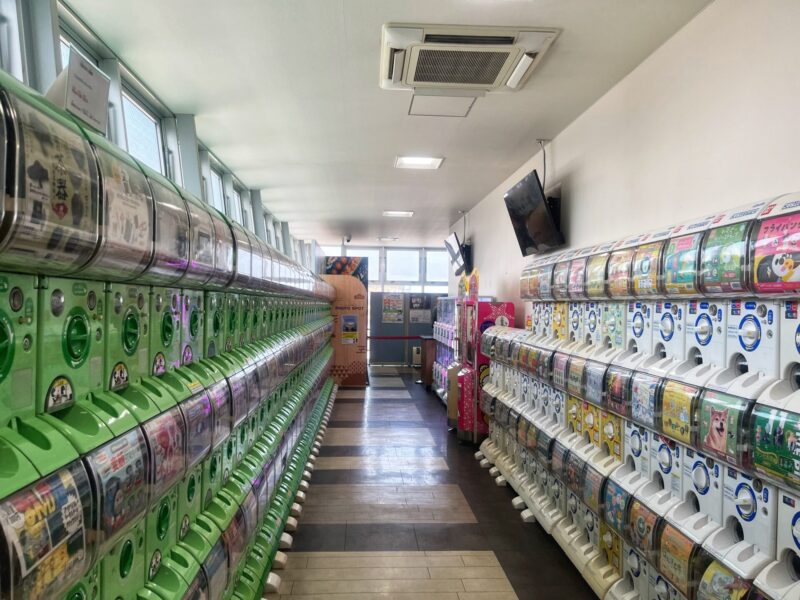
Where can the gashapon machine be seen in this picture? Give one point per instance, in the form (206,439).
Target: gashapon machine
(579,333)
(475,316)
(604,322)
(541,286)
(565,334)
(638,314)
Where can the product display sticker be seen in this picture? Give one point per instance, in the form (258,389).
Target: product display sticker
(577,277)
(675,559)
(546,282)
(619,273)
(198,588)
(618,389)
(127,227)
(545,362)
(573,472)
(199,427)
(611,427)
(574,414)
(522,432)
(202,242)
(596,276)
(776,451)
(120,470)
(644,395)
(677,404)
(560,453)
(592,488)
(722,262)
(253,387)
(534,278)
(575,376)
(641,526)
(216,569)
(591,423)
(56,224)
(776,255)
(239,399)
(720,583)
(220,396)
(646,264)
(532,440)
(235,539)
(611,545)
(250,509)
(595,379)
(172,234)
(46,526)
(543,444)
(561,281)
(724,426)
(680,265)
(560,365)
(166,435)
(615,502)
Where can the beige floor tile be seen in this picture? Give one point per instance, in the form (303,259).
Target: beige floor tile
(353,553)
(373,596)
(487,596)
(487,585)
(420,560)
(356,574)
(383,463)
(394,411)
(481,561)
(351,394)
(387,394)
(379,436)
(467,573)
(374,586)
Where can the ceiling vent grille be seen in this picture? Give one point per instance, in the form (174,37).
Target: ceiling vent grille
(449,57)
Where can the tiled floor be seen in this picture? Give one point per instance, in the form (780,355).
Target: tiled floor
(399,510)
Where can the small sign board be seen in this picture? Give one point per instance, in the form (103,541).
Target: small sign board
(82,90)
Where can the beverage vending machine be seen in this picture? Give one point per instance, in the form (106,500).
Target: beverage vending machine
(474,316)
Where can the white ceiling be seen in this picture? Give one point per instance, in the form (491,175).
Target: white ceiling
(286,94)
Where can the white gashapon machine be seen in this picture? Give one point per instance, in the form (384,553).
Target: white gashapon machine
(650,420)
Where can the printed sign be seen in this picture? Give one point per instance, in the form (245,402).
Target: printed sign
(680,265)
(199,427)
(215,567)
(618,389)
(777,446)
(677,402)
(577,277)
(722,262)
(392,308)
(619,273)
(615,502)
(220,395)
(120,471)
(82,89)
(641,526)
(646,267)
(165,436)
(560,364)
(594,387)
(724,426)
(644,395)
(675,559)
(575,376)
(592,488)
(350,329)
(720,583)
(596,276)
(45,525)
(561,280)
(776,255)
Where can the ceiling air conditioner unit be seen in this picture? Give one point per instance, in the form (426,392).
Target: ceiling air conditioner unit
(451,57)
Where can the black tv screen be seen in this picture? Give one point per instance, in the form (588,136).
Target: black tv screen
(456,256)
(535,220)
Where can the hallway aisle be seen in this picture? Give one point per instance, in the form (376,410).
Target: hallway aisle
(399,510)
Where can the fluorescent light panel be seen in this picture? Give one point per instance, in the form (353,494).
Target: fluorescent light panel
(388,239)
(398,214)
(417,162)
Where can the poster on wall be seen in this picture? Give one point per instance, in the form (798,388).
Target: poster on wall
(420,308)
(355,266)
(349,329)
(392,308)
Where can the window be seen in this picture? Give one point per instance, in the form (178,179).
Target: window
(333,251)
(435,289)
(278,236)
(65,48)
(436,265)
(217,193)
(142,133)
(11,59)
(373,256)
(402,265)
(247,221)
(398,288)
(236,207)
(268,229)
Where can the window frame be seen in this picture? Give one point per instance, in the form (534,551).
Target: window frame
(128,93)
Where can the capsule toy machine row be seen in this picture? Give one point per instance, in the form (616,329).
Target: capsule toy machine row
(780,579)
(568,529)
(542,283)
(605,569)
(604,322)
(754,323)
(555,510)
(681,564)
(633,565)
(214,299)
(564,329)
(746,542)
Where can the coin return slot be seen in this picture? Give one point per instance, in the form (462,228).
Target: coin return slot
(695,356)
(660,351)
(739,364)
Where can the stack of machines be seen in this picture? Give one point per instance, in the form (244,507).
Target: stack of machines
(163,377)
(650,419)
(474,315)
(444,332)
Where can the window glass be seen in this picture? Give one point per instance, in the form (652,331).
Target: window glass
(247,222)
(278,236)
(402,265)
(236,208)
(397,288)
(65,48)
(269,230)
(373,256)
(333,251)
(217,193)
(436,265)
(435,289)
(142,133)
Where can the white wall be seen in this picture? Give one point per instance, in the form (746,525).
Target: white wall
(710,120)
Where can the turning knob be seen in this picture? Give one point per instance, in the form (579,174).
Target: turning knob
(664,457)
(700,478)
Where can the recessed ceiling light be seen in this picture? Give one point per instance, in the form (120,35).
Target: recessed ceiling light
(388,239)
(417,162)
(398,214)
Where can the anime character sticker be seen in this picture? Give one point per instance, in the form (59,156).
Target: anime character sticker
(776,256)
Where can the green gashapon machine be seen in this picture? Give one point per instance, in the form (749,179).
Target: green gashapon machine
(199,417)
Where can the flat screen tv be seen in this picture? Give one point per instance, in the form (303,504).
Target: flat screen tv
(459,255)
(536,219)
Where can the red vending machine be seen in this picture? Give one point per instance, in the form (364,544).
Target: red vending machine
(474,315)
